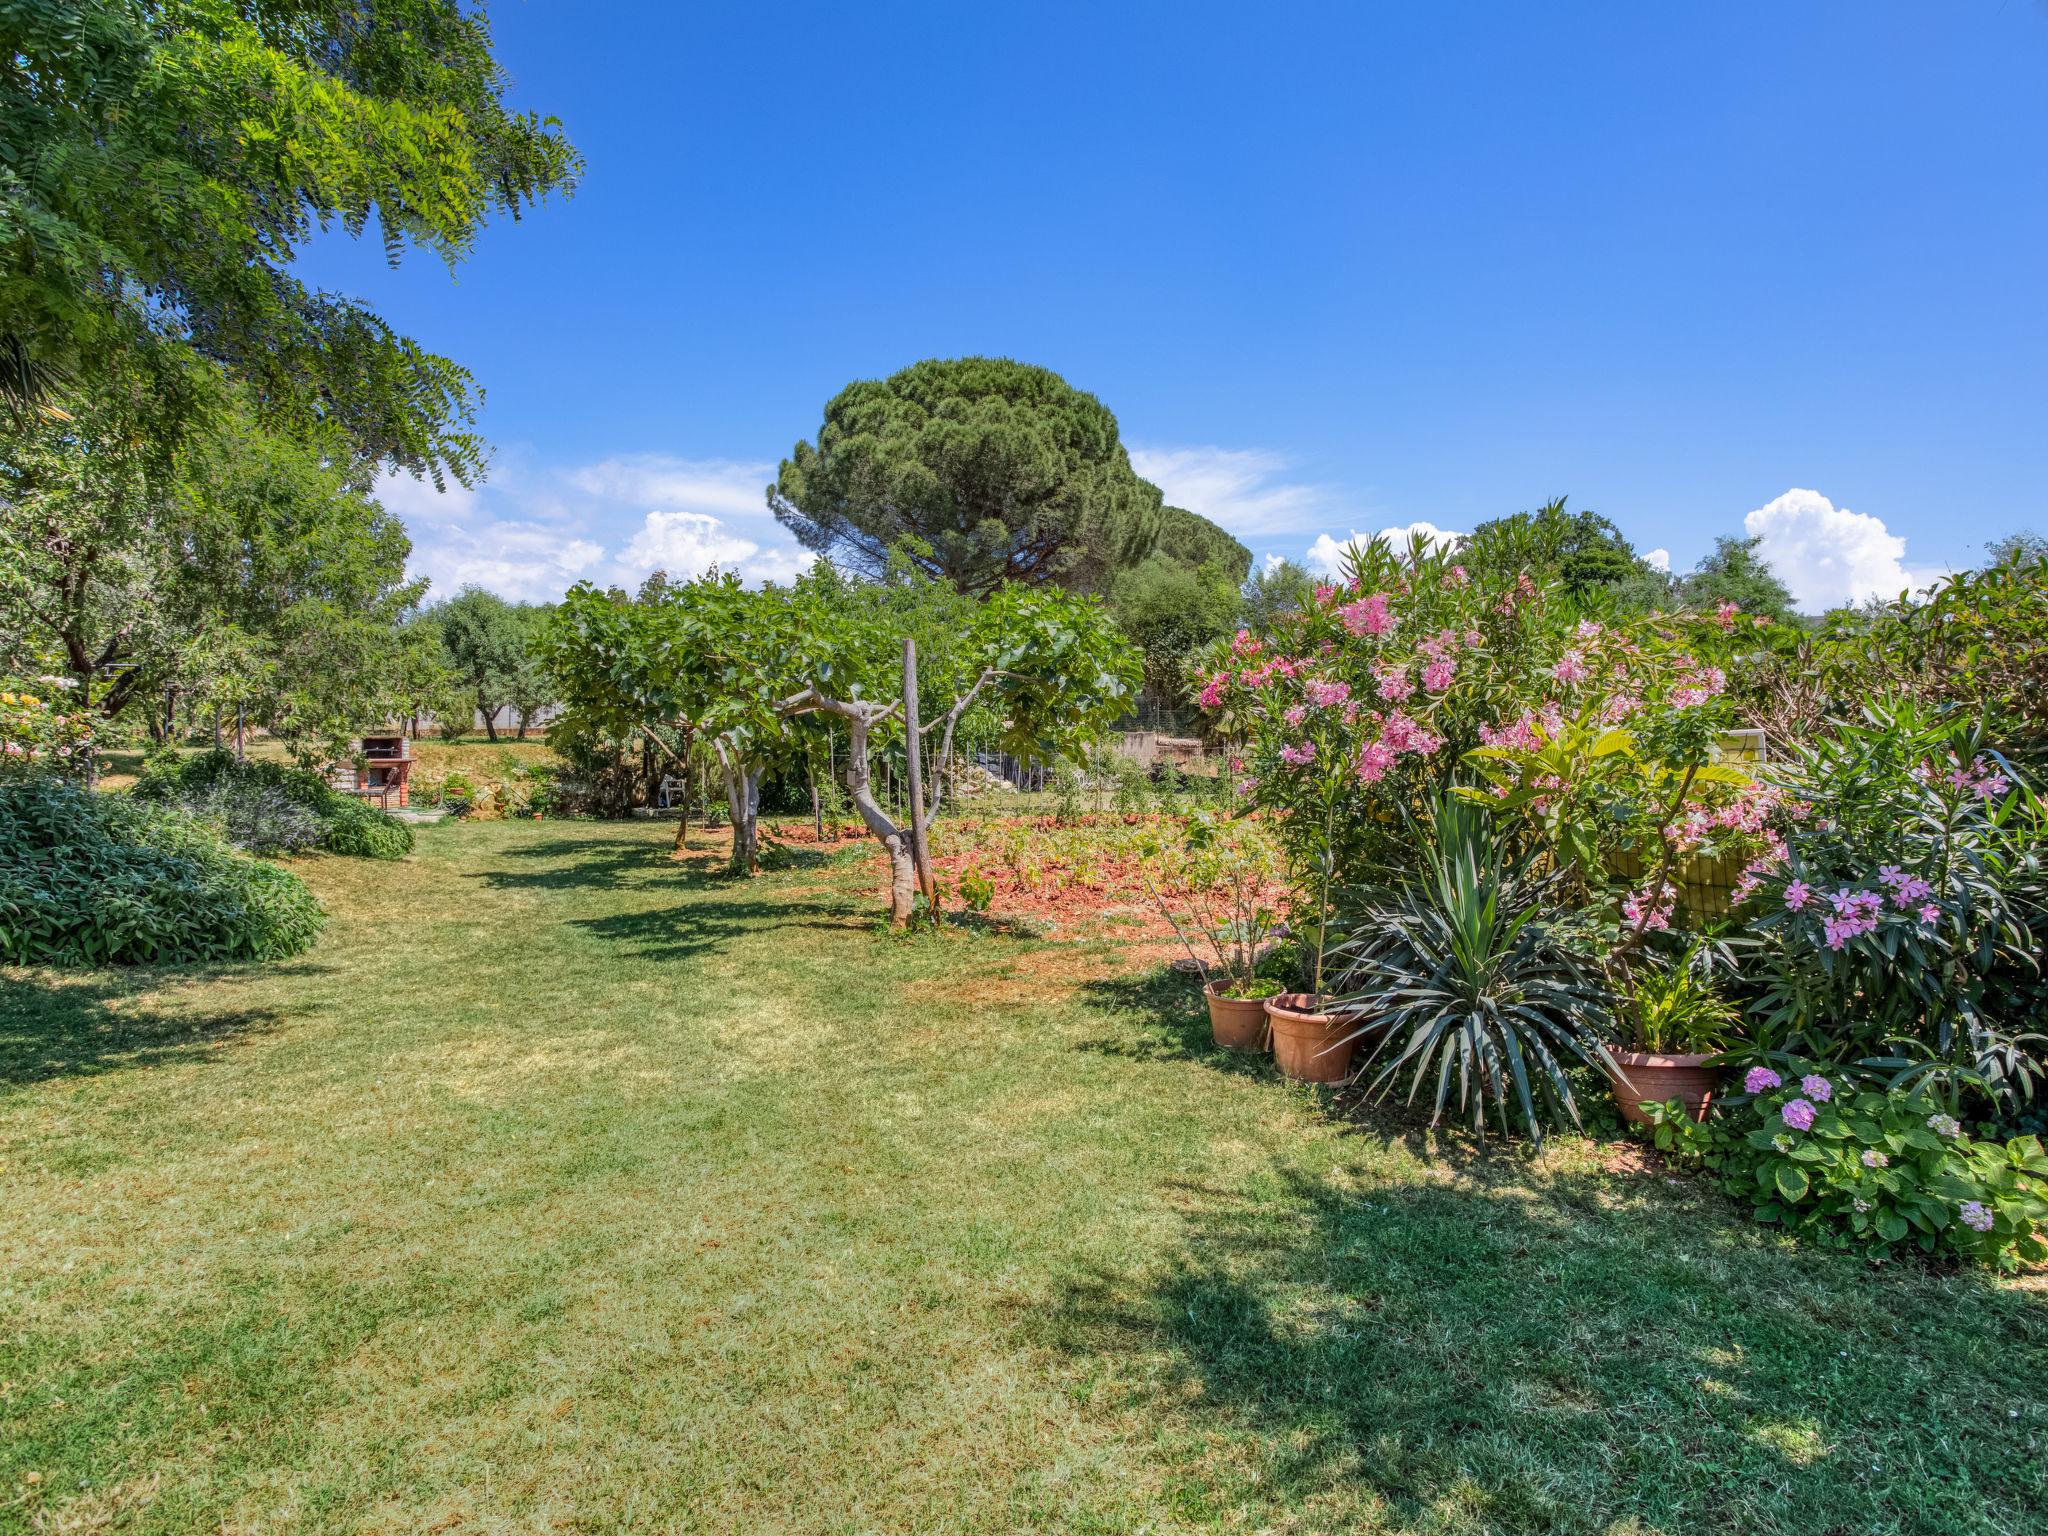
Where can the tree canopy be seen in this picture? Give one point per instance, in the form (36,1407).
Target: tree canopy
(166,160)
(1582,550)
(979,470)
(1190,539)
(246,565)
(1736,573)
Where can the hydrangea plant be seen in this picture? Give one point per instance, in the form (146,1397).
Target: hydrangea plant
(1870,1169)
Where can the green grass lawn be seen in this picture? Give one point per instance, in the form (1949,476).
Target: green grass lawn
(561,1188)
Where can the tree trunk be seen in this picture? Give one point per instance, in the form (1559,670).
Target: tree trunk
(920,850)
(895,840)
(241,735)
(490,719)
(743,802)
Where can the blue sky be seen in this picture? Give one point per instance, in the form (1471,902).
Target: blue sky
(1701,267)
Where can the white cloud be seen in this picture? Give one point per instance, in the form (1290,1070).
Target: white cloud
(520,561)
(531,532)
(687,544)
(1828,556)
(1326,556)
(1238,489)
(1658,559)
(722,487)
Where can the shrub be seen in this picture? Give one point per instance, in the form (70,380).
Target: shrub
(262,818)
(246,800)
(363,832)
(41,726)
(1870,1169)
(1899,912)
(1474,983)
(88,879)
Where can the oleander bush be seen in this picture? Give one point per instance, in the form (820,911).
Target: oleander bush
(92,879)
(266,807)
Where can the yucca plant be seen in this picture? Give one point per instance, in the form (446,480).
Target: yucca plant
(1463,977)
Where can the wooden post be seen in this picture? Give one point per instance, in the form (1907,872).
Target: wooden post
(919,850)
(817,808)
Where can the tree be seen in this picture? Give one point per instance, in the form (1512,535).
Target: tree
(979,470)
(1736,573)
(1193,541)
(530,689)
(135,563)
(1170,611)
(1272,593)
(2018,549)
(166,159)
(486,641)
(1049,665)
(1582,550)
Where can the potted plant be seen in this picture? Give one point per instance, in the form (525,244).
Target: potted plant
(1678,1025)
(1226,876)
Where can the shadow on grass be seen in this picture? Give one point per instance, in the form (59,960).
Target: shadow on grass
(681,932)
(1525,1348)
(1162,1017)
(66,1028)
(567,863)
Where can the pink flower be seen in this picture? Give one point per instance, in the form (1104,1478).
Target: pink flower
(1212,692)
(1872,1158)
(1725,615)
(1296,715)
(1374,759)
(1367,616)
(1324,592)
(1974,1216)
(1930,913)
(1798,1114)
(1395,684)
(1298,756)
(1797,894)
(1322,695)
(1457,576)
(1474,640)
(1760,1080)
(1571,669)
(1437,676)
(1816,1088)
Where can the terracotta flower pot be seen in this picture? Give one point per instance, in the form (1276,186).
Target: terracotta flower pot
(1238,1023)
(1647,1077)
(1304,1040)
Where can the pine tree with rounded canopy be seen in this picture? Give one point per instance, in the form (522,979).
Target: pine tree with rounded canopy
(979,470)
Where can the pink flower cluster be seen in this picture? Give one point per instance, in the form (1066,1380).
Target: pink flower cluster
(1981,778)
(1298,756)
(1697,684)
(1725,614)
(1398,735)
(1798,1114)
(1212,691)
(1749,812)
(1395,683)
(1856,913)
(1906,889)
(1571,668)
(1650,910)
(1760,1080)
(1322,695)
(1523,735)
(1367,616)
